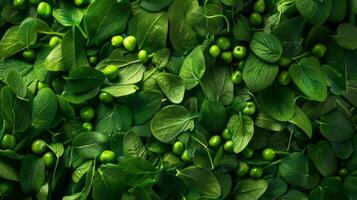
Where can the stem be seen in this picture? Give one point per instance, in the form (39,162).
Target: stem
(82,31)
(53,33)
(282,152)
(290,138)
(300,56)
(206,148)
(273,163)
(151,73)
(224,17)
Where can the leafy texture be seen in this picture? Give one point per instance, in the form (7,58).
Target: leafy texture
(182,35)
(169,122)
(106,18)
(204,181)
(266,46)
(44,109)
(150,29)
(335,127)
(193,68)
(315,11)
(346,36)
(242,129)
(251,189)
(280,107)
(308,77)
(258,74)
(9,44)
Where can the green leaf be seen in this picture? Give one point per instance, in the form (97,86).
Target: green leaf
(74,49)
(350,186)
(81,170)
(7,171)
(150,29)
(131,74)
(68,15)
(307,75)
(302,121)
(258,74)
(295,170)
(55,61)
(290,33)
(251,189)
(83,79)
(209,25)
(29,29)
(43,193)
(169,122)
(108,183)
(347,36)
(77,98)
(182,35)
(315,11)
(334,79)
(323,157)
(242,129)
(65,108)
(32,174)
(343,150)
(213,116)
(144,105)
(39,68)
(339,11)
(217,84)
(15,82)
(193,68)
(44,108)
(264,121)
(16,112)
(172,86)
(10,44)
(266,46)
(280,107)
(276,188)
(155,5)
(24,68)
(57,149)
(133,146)
(106,18)
(329,189)
(294,195)
(120,90)
(242,29)
(89,144)
(335,127)
(202,180)
(113,119)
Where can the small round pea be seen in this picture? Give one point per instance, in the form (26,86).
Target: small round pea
(186,156)
(49,159)
(284,78)
(215,51)
(255,18)
(111,72)
(143,56)
(38,146)
(54,41)
(129,43)
(319,50)
(237,77)
(105,97)
(87,126)
(227,56)
(178,148)
(87,113)
(223,43)
(29,54)
(93,60)
(239,52)
(228,146)
(215,141)
(107,156)
(117,40)
(284,61)
(44,9)
(226,134)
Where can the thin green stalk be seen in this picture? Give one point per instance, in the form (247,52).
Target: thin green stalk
(82,31)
